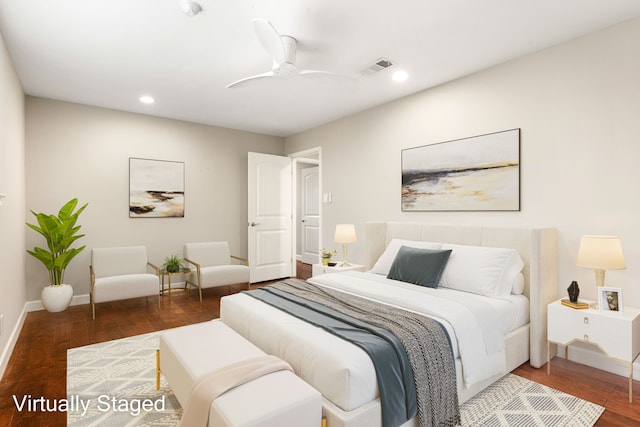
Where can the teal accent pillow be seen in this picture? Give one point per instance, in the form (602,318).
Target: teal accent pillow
(422,267)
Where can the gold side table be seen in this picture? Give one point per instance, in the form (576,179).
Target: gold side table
(169,274)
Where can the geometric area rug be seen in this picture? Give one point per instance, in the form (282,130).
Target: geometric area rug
(113,384)
(517,401)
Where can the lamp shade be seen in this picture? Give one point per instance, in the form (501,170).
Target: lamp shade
(601,252)
(345,233)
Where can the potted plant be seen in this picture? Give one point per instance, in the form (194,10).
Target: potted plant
(172,264)
(326,256)
(60,232)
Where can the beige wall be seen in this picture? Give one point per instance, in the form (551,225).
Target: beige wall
(12,183)
(79,151)
(578,107)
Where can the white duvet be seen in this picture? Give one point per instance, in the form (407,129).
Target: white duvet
(342,372)
(473,323)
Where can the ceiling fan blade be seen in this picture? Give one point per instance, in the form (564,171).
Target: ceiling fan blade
(325,76)
(248,80)
(270,39)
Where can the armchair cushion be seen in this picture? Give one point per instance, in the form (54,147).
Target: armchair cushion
(221,275)
(120,273)
(217,265)
(125,286)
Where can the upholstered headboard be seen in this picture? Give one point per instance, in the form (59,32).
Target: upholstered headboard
(536,245)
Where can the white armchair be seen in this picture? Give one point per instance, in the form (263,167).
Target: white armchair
(213,265)
(121,273)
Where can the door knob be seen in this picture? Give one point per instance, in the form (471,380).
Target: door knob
(253,224)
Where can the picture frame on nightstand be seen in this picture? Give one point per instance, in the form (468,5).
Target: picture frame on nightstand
(610,300)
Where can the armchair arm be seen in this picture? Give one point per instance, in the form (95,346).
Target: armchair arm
(195,264)
(244,260)
(155,268)
(92,277)
(188,261)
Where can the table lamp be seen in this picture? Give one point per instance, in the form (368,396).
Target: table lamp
(601,253)
(345,234)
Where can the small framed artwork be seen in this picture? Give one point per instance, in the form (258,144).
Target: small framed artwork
(610,299)
(156,188)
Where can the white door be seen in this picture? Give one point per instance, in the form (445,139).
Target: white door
(310,215)
(269,215)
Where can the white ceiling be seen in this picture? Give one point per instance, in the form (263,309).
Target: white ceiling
(109,52)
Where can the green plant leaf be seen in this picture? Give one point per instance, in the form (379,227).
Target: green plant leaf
(60,232)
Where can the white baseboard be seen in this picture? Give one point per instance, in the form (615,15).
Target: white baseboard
(599,360)
(13,339)
(37,305)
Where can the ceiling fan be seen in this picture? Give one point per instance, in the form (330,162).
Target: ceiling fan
(282,50)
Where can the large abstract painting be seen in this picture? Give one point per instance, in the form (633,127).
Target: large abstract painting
(480,173)
(156,188)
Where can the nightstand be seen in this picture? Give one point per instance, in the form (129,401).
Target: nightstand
(317,269)
(618,335)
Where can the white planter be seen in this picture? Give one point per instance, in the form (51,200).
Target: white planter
(56,298)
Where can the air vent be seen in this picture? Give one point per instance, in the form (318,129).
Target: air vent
(379,65)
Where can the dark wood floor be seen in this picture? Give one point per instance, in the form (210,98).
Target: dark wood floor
(38,366)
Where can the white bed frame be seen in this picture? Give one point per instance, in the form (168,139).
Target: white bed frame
(538,249)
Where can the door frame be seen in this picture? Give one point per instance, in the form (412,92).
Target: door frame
(309,156)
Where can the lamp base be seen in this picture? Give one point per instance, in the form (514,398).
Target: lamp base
(344,256)
(599,283)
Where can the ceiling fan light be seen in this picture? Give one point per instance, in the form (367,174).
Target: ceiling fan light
(190,7)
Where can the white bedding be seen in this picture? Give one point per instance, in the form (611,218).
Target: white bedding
(342,372)
(475,323)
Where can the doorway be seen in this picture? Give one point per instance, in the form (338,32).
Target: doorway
(307,206)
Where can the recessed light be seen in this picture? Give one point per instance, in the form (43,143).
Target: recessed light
(400,76)
(146,99)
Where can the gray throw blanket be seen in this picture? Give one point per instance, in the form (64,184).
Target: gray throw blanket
(424,339)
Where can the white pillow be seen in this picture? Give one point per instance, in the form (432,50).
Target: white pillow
(481,270)
(383,265)
(517,287)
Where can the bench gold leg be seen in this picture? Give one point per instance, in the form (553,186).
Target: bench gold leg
(157,369)
(324,421)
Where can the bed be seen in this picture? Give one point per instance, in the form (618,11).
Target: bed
(344,374)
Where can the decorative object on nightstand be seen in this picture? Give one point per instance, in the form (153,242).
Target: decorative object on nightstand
(576,305)
(573,290)
(326,256)
(600,253)
(610,300)
(345,234)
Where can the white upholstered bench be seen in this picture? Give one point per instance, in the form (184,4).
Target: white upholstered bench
(274,400)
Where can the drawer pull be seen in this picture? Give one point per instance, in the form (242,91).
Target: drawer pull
(586,320)
(586,337)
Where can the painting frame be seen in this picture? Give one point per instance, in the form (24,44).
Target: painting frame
(610,300)
(477,173)
(156,188)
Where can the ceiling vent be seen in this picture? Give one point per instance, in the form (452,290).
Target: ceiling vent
(379,65)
